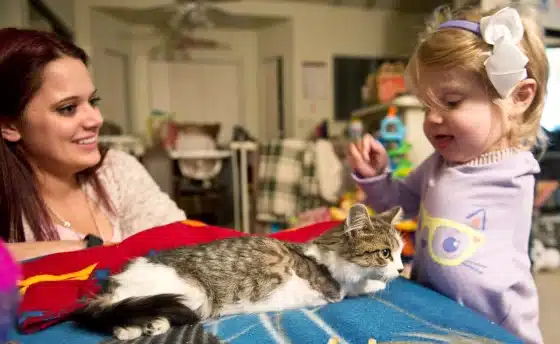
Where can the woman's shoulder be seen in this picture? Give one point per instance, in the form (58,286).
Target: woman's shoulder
(117,168)
(118,158)
(116,161)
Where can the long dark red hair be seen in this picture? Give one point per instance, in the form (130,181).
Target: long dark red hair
(24,54)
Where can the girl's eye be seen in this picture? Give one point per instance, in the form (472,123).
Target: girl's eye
(67,109)
(453,104)
(452,101)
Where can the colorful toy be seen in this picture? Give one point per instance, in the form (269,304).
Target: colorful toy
(346,201)
(9,296)
(400,165)
(392,135)
(392,132)
(407,229)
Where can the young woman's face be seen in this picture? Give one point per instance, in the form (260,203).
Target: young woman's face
(60,124)
(461,120)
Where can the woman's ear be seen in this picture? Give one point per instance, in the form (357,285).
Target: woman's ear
(9,131)
(522,96)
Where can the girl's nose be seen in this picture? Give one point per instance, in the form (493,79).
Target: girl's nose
(433,116)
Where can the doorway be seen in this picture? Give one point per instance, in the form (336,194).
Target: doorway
(112,79)
(274,124)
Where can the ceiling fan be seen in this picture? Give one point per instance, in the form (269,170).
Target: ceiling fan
(175,27)
(187,17)
(195,14)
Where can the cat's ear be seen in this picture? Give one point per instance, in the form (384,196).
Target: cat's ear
(392,216)
(357,219)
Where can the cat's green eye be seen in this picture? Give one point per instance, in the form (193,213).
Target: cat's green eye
(386,253)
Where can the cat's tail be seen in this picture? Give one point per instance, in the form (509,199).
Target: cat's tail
(100,315)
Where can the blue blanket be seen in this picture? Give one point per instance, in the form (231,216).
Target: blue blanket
(405,312)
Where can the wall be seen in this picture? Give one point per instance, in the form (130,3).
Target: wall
(63,9)
(549,16)
(243,51)
(274,41)
(109,33)
(315,32)
(110,37)
(13,13)
(321,31)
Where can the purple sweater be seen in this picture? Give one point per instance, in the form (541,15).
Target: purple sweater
(474,224)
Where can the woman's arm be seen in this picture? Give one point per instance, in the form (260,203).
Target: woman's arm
(28,250)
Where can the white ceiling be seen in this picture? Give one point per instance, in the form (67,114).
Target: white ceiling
(160,15)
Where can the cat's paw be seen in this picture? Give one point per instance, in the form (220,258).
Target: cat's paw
(156,327)
(334,297)
(127,333)
(373,286)
(333,294)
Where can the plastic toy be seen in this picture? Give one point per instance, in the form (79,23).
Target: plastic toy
(400,165)
(346,201)
(392,132)
(9,296)
(392,135)
(407,229)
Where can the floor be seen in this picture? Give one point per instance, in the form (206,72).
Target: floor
(549,294)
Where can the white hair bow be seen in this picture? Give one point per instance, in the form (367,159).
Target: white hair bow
(506,65)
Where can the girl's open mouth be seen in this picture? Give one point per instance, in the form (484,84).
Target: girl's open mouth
(442,141)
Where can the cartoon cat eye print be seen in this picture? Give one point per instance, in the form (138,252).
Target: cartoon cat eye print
(450,243)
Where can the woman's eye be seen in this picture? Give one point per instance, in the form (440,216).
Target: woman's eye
(95,101)
(67,109)
(386,253)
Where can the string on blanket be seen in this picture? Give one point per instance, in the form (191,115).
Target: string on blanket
(336,340)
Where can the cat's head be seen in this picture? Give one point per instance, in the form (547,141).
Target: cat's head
(373,242)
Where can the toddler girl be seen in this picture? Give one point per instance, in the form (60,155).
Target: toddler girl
(482,78)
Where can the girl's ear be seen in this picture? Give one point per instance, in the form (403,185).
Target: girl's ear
(9,131)
(522,96)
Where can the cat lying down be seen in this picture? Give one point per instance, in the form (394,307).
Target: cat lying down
(246,275)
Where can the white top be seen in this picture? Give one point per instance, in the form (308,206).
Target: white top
(138,201)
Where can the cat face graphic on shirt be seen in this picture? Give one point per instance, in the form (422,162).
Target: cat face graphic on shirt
(452,243)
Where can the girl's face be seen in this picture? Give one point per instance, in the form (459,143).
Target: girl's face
(59,128)
(461,121)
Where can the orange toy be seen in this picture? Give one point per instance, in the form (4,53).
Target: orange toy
(407,227)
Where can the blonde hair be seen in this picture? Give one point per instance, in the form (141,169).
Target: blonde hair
(457,48)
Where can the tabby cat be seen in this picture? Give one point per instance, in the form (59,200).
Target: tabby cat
(248,274)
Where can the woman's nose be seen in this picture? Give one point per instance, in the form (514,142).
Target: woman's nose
(94,118)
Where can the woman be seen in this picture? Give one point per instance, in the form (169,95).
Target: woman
(58,190)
